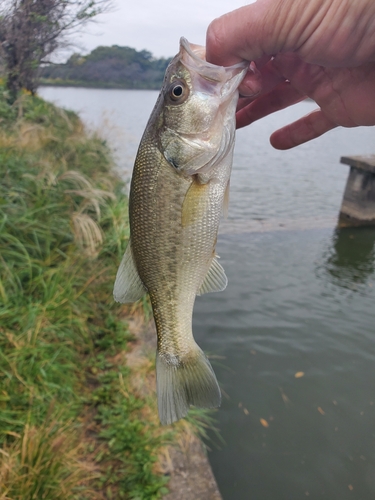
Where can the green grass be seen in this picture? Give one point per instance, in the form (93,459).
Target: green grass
(71,424)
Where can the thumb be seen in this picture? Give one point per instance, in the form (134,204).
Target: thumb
(263,28)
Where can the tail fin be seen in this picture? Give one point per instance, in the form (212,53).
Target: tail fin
(183,383)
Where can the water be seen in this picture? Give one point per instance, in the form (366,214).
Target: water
(300,300)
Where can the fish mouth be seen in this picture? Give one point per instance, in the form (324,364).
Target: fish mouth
(194,58)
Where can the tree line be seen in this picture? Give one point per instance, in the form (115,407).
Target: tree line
(111,67)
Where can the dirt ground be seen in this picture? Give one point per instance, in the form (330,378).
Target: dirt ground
(186,462)
(191,477)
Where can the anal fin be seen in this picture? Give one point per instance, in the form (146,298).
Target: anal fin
(215,279)
(128,285)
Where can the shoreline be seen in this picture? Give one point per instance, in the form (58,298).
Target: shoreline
(85,85)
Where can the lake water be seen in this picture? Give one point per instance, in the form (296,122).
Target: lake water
(300,300)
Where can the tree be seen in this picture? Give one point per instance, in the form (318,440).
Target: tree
(31,30)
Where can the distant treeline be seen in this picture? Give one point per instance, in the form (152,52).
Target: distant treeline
(108,67)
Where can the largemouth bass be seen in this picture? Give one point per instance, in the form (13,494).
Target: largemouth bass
(179,185)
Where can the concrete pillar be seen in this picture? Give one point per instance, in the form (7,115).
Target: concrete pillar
(358,204)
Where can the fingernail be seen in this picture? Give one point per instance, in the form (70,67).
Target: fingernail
(251,85)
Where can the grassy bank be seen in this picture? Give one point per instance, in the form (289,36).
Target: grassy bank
(72,423)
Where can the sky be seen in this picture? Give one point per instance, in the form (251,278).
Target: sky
(154,25)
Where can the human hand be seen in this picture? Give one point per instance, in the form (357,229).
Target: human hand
(323,49)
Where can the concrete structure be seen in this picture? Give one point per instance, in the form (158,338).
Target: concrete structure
(358,204)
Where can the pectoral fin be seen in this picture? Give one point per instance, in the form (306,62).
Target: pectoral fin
(128,285)
(215,280)
(226,201)
(196,203)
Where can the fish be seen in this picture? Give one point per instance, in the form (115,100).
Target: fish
(178,192)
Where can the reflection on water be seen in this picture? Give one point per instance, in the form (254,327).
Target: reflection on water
(350,260)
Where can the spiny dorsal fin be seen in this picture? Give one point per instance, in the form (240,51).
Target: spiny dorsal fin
(128,285)
(215,280)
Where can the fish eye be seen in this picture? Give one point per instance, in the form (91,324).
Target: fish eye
(178,91)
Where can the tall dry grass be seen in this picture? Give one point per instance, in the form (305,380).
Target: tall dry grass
(71,425)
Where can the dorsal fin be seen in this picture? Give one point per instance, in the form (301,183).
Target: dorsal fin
(128,285)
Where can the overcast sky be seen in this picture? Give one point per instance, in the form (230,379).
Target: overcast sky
(155,25)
